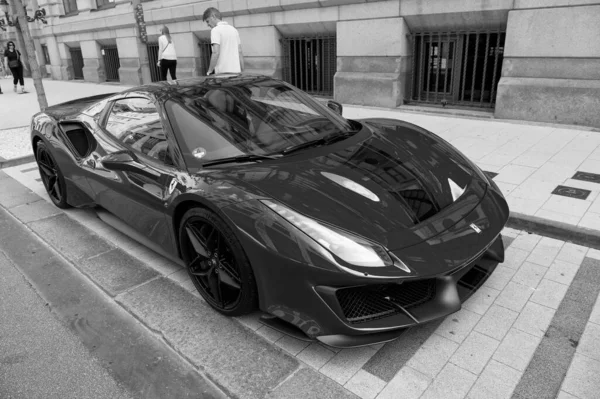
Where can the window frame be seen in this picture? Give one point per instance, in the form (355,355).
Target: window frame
(70,7)
(46,54)
(104,116)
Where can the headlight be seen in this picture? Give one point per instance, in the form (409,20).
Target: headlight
(349,248)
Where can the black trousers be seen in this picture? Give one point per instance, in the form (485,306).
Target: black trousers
(168,65)
(17,75)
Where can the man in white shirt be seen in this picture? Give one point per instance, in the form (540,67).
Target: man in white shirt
(227,56)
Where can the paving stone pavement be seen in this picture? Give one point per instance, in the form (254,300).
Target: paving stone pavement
(500,345)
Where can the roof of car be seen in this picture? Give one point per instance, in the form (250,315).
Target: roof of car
(213,80)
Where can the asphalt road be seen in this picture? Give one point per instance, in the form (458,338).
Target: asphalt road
(39,357)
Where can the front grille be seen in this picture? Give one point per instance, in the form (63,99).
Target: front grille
(367,303)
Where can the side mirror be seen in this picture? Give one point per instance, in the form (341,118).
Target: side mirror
(122,160)
(126,161)
(335,106)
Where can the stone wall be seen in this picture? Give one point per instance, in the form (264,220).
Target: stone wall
(551,69)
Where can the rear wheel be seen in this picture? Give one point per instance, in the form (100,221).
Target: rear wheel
(216,263)
(52,177)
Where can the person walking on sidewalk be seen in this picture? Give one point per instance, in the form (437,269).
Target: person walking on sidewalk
(12,58)
(167,56)
(227,56)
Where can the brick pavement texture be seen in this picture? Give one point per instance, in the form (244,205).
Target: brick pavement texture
(483,351)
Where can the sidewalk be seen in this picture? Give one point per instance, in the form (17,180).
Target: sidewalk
(550,174)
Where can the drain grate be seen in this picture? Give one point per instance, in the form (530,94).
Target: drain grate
(586,176)
(571,192)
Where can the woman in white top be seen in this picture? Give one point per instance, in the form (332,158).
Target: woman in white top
(167,57)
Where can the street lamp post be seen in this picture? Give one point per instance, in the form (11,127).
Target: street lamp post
(8,20)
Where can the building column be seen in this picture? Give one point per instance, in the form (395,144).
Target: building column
(373,60)
(262,50)
(55,59)
(551,67)
(93,69)
(186,46)
(63,71)
(131,55)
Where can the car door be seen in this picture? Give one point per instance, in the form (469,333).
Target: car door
(133,169)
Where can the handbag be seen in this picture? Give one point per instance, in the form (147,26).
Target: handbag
(15,63)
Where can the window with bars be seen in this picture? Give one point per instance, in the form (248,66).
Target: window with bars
(310,63)
(46,54)
(70,6)
(461,68)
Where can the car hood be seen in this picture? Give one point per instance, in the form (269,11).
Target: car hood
(392,182)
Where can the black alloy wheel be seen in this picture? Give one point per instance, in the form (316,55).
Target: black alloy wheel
(53,179)
(216,263)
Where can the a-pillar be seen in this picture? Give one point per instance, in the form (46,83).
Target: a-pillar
(373,61)
(93,69)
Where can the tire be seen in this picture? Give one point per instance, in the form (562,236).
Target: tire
(212,252)
(52,177)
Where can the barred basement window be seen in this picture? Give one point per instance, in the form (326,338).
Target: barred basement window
(460,68)
(310,63)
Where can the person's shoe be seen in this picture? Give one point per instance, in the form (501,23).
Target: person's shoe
(23,90)
(15,89)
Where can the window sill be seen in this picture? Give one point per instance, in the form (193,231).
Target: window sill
(71,14)
(104,7)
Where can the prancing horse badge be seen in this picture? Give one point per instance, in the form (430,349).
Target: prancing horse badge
(476,228)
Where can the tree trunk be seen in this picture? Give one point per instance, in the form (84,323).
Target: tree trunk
(30,48)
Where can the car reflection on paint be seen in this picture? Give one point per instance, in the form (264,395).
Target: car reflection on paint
(345,231)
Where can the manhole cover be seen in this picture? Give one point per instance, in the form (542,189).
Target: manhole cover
(586,176)
(571,192)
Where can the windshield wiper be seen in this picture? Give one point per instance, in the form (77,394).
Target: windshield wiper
(240,159)
(314,143)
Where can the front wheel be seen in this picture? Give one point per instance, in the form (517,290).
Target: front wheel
(53,179)
(216,263)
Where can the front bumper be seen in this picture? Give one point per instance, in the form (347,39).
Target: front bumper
(346,310)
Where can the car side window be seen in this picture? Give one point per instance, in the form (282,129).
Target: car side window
(136,123)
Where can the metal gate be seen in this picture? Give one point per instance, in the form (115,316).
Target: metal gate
(152,60)
(205,54)
(310,63)
(459,68)
(111,63)
(77,61)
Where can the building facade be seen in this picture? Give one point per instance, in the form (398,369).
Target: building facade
(535,60)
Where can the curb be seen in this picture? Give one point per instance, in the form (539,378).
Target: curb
(553,229)
(16,161)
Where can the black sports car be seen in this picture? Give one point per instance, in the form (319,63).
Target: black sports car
(340,230)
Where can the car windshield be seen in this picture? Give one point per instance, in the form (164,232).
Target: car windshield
(249,117)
